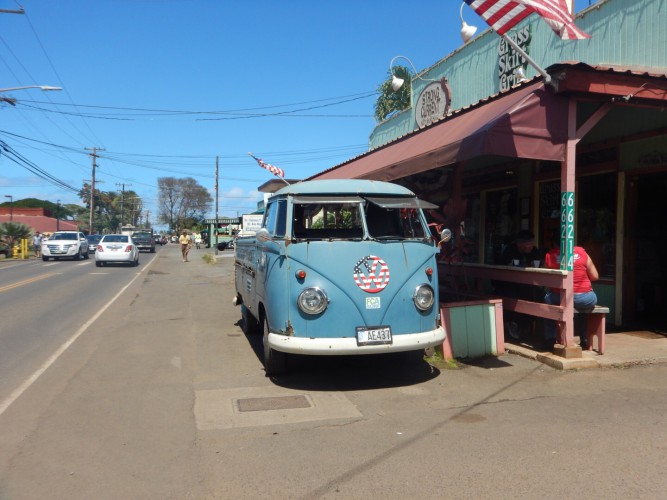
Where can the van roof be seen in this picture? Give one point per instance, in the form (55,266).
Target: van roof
(345,186)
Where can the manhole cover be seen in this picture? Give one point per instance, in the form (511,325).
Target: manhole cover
(273,403)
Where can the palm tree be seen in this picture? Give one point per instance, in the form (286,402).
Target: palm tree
(14,231)
(390,102)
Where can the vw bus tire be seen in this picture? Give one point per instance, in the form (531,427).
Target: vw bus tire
(275,362)
(250,323)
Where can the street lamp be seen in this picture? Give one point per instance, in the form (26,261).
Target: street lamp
(467,32)
(11,207)
(12,101)
(396,82)
(57,215)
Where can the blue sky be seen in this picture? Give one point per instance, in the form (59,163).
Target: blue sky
(165,86)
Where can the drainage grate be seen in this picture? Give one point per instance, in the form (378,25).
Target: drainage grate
(273,403)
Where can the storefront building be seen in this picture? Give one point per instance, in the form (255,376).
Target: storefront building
(583,157)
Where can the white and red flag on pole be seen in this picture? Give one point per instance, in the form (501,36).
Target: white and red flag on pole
(503,15)
(279,172)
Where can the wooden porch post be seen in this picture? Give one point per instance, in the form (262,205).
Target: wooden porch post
(567,185)
(567,229)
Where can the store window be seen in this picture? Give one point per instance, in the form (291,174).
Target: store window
(470,237)
(501,223)
(596,221)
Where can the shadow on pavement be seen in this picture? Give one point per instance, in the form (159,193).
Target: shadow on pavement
(349,373)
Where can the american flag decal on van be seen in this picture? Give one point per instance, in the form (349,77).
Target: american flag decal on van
(376,277)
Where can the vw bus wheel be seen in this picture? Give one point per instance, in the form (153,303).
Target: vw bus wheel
(275,362)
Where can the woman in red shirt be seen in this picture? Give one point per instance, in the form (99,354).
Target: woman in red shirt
(584,272)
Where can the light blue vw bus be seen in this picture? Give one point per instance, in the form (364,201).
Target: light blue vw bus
(340,267)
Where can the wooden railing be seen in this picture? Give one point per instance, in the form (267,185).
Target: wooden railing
(551,278)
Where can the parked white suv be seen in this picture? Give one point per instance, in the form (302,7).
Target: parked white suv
(70,244)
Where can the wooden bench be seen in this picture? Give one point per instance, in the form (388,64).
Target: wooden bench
(595,325)
(548,278)
(595,322)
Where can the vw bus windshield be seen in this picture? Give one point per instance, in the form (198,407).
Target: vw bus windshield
(328,220)
(386,219)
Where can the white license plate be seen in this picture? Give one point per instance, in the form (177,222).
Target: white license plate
(373,335)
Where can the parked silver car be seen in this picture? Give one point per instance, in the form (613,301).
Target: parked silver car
(65,244)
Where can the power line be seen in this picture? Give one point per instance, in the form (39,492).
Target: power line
(338,100)
(14,156)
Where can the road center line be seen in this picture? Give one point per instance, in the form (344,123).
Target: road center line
(25,282)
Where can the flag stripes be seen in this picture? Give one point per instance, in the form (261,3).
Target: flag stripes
(279,172)
(503,15)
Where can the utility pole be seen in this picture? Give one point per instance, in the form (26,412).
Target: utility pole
(92,189)
(216,208)
(122,201)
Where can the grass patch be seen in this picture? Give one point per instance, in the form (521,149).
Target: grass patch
(208,258)
(437,360)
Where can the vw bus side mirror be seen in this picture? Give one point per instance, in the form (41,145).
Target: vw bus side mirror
(445,235)
(263,235)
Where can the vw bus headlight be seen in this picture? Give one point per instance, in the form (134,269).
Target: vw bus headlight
(423,297)
(312,300)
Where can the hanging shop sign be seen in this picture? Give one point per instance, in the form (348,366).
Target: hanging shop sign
(433,103)
(509,61)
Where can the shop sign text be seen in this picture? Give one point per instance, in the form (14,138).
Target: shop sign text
(509,60)
(433,103)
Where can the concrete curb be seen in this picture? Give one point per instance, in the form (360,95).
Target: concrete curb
(554,361)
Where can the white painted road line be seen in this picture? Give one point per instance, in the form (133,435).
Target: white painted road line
(8,401)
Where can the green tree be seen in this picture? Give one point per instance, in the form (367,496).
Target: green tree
(14,231)
(110,207)
(182,203)
(390,102)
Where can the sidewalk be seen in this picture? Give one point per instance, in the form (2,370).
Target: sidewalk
(622,349)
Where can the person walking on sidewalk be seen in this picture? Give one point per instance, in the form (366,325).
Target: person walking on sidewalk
(185,242)
(37,244)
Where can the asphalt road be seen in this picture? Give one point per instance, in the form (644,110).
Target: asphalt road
(163,396)
(44,304)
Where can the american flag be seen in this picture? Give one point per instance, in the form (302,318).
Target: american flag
(271,168)
(502,15)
